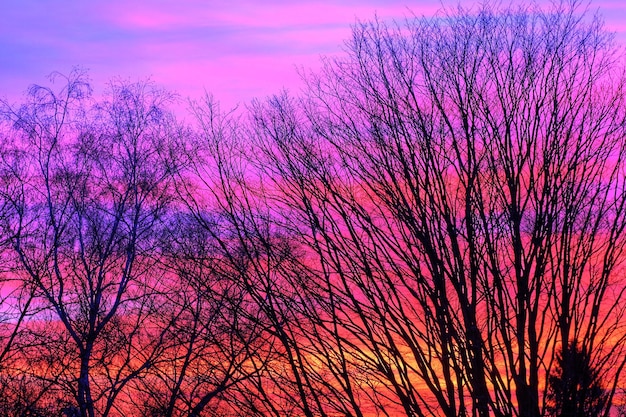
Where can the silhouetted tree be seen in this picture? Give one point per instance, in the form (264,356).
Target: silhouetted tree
(418,234)
(459,183)
(93,183)
(575,388)
(252,258)
(209,337)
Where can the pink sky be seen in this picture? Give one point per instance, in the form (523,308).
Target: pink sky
(235,49)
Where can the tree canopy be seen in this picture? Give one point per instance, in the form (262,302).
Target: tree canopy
(434,227)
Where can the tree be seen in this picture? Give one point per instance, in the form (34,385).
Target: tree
(459,184)
(424,232)
(209,339)
(252,259)
(129,302)
(93,184)
(575,388)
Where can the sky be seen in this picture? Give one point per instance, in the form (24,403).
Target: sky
(234,49)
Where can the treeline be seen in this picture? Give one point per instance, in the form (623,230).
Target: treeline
(435,227)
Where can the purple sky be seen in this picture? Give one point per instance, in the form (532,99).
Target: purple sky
(235,49)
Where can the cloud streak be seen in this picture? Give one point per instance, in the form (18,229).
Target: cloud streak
(237,49)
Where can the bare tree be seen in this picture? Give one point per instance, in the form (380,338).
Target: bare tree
(260,261)
(460,181)
(93,188)
(422,233)
(209,336)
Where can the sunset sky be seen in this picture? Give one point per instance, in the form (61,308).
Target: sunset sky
(235,49)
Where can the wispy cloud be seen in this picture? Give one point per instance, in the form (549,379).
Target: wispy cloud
(235,48)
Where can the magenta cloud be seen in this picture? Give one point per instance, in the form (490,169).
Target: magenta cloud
(234,49)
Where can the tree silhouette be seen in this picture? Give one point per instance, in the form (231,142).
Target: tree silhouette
(458,184)
(435,227)
(575,386)
(93,184)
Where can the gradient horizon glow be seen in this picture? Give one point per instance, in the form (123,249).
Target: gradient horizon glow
(235,50)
